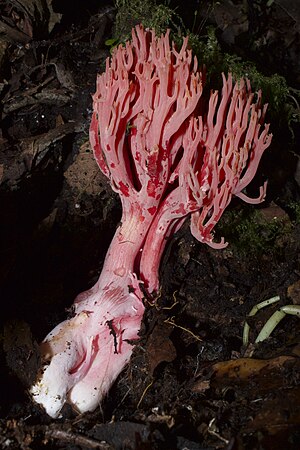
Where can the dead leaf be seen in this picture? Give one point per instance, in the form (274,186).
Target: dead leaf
(82,173)
(245,367)
(59,120)
(293,292)
(11,34)
(201,386)
(36,150)
(278,412)
(54,16)
(159,347)
(36,11)
(266,374)
(64,76)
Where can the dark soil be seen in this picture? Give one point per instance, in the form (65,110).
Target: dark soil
(191,384)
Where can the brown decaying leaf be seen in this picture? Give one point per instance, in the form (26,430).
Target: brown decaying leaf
(293,292)
(34,149)
(159,347)
(267,374)
(35,10)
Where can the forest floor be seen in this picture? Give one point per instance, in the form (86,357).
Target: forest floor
(191,383)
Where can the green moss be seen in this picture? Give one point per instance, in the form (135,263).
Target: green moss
(295,211)
(249,232)
(154,15)
(276,92)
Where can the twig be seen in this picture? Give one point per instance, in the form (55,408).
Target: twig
(76,439)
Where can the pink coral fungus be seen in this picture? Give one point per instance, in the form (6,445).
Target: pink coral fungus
(168,163)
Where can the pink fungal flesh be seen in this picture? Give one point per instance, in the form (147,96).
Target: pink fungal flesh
(167,163)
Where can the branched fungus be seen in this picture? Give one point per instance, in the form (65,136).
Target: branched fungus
(170,156)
